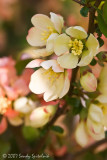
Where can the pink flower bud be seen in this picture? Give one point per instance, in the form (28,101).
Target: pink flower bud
(89,82)
(42,115)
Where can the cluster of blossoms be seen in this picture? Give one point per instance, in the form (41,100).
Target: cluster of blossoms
(16,107)
(96,122)
(66,49)
(70,48)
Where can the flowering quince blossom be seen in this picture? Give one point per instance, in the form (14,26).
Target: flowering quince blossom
(42,115)
(88,82)
(24,105)
(51,80)
(74,49)
(44,32)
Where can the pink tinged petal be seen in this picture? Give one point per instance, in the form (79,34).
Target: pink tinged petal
(52,63)
(86,58)
(66,85)
(3,125)
(34,63)
(88,82)
(69,73)
(41,21)
(11,93)
(50,42)
(68,61)
(34,37)
(39,82)
(96,130)
(2,93)
(6,61)
(37,53)
(77,32)
(61,44)
(92,44)
(20,87)
(26,75)
(10,113)
(57,21)
(44,103)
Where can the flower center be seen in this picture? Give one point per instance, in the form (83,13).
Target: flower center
(4,104)
(51,75)
(76,46)
(45,34)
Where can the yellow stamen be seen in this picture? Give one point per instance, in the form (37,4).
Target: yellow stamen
(45,34)
(4,104)
(51,75)
(76,46)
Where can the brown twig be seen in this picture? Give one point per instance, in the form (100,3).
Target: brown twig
(91,26)
(89,148)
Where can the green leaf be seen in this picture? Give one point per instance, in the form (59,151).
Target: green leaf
(20,65)
(101,23)
(101,42)
(93,62)
(30,133)
(57,129)
(105,11)
(76,105)
(84,11)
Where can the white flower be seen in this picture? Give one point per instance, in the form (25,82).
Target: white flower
(24,105)
(75,47)
(94,122)
(45,30)
(51,80)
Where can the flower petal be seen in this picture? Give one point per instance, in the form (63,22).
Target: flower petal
(50,43)
(37,53)
(41,21)
(81,132)
(55,89)
(102,98)
(34,63)
(96,130)
(52,63)
(77,32)
(57,21)
(95,113)
(66,85)
(61,44)
(86,58)
(34,37)
(92,44)
(68,61)
(39,81)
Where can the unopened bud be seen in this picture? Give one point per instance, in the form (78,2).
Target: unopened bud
(42,115)
(24,105)
(88,82)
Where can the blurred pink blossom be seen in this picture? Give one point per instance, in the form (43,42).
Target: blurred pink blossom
(3,125)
